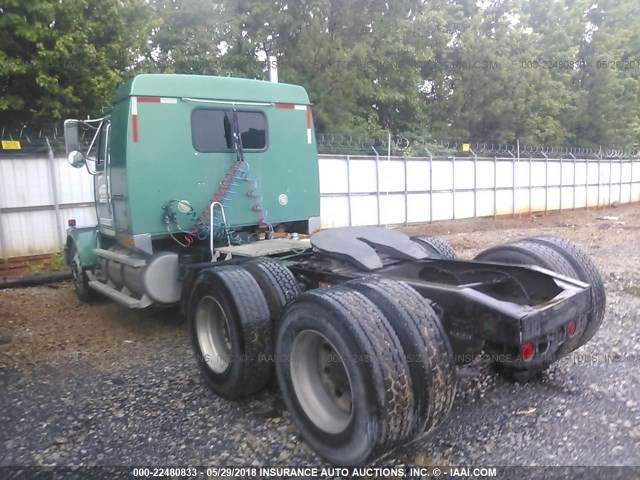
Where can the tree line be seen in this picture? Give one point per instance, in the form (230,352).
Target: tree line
(544,72)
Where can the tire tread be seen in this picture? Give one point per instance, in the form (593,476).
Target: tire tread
(437,246)
(254,325)
(276,282)
(425,340)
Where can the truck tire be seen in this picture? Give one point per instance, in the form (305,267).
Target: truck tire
(530,253)
(343,376)
(527,253)
(80,279)
(436,246)
(231,331)
(586,271)
(277,283)
(429,355)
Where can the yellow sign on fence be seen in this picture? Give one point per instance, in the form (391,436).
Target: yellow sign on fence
(11,145)
(466,147)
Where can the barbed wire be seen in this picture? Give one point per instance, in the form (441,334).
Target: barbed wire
(35,141)
(530,150)
(403,146)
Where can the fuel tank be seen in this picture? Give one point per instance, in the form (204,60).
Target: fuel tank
(155,276)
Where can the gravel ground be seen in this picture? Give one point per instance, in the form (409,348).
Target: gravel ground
(101,385)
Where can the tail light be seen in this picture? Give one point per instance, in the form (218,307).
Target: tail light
(571,328)
(527,350)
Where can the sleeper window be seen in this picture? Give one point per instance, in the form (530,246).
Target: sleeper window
(211,129)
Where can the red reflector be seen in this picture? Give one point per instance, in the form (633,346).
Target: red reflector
(134,127)
(571,328)
(527,351)
(71,222)
(323,285)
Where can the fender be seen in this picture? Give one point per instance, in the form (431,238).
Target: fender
(85,240)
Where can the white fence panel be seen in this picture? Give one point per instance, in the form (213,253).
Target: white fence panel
(38,195)
(413,190)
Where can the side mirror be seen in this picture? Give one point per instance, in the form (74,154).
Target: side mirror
(71,143)
(76,159)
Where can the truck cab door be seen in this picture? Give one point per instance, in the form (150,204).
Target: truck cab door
(102,181)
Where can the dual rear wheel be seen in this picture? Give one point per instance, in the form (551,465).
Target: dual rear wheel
(231,331)
(363,367)
(389,376)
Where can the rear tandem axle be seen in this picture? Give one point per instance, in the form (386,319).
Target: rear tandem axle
(364,330)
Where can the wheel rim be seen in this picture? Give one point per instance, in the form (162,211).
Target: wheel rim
(76,271)
(212,329)
(321,382)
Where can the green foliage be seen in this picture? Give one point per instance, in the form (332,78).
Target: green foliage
(36,268)
(184,37)
(57,262)
(64,58)
(543,72)
(607,111)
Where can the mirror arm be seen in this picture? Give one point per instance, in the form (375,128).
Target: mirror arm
(95,136)
(88,122)
(91,172)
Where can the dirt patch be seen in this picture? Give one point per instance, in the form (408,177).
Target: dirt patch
(48,325)
(591,229)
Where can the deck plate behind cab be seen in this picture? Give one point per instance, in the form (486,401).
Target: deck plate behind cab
(264,248)
(362,244)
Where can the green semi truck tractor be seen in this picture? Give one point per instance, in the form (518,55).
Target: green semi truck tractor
(206,192)
(166,149)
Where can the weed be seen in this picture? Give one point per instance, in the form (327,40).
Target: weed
(36,268)
(57,262)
